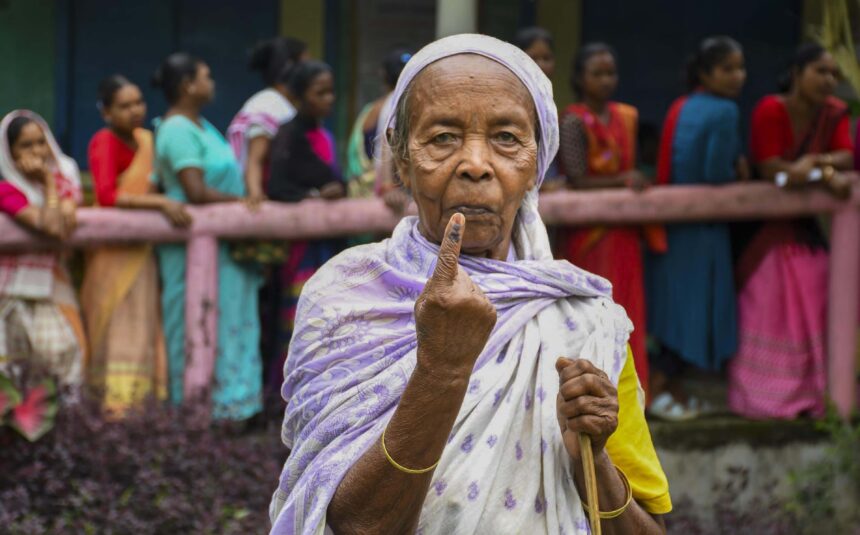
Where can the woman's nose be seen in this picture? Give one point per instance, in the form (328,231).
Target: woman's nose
(475,161)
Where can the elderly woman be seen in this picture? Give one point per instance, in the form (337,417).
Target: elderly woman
(437,381)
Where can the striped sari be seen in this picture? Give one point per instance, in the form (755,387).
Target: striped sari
(120,302)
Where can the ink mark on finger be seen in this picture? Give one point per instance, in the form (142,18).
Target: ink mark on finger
(454,235)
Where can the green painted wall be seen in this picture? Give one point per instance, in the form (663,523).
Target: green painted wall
(27,56)
(305,20)
(344,59)
(564,19)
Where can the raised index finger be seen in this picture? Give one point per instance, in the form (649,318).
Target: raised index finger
(449,251)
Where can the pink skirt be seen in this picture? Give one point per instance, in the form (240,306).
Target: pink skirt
(780,368)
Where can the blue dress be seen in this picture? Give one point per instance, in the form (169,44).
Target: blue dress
(690,288)
(237,392)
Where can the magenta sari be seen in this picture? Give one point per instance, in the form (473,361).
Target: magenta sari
(780,368)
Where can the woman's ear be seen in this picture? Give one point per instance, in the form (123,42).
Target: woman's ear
(187,87)
(400,163)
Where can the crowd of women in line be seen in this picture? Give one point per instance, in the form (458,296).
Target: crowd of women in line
(125,335)
(749,299)
(760,312)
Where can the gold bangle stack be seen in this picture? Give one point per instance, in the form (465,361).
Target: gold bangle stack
(52,201)
(399,466)
(607,515)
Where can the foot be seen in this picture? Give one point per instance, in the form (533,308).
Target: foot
(666,407)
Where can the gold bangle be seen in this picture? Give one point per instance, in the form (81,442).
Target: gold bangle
(608,515)
(52,202)
(400,467)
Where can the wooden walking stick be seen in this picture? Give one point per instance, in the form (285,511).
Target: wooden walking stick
(590,482)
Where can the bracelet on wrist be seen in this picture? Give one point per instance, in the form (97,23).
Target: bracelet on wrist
(815,175)
(608,515)
(399,466)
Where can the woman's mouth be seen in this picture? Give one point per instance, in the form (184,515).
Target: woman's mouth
(472,210)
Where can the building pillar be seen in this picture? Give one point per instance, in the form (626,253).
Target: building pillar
(456,16)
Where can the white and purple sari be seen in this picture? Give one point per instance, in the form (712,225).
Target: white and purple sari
(261,115)
(505,469)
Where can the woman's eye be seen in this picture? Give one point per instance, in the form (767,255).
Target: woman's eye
(443,138)
(506,137)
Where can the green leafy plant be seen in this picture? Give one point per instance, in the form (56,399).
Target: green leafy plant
(29,410)
(819,488)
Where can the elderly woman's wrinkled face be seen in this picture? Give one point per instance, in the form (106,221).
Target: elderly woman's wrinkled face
(472,148)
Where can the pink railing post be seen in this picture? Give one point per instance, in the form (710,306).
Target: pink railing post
(842,308)
(201,314)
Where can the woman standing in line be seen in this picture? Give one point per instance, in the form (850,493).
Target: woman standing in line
(195,164)
(598,150)
(691,300)
(799,138)
(120,293)
(252,129)
(40,189)
(303,167)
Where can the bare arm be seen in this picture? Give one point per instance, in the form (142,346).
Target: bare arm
(174,211)
(453,322)
(841,160)
(48,219)
(611,495)
(375,497)
(799,169)
(196,189)
(258,151)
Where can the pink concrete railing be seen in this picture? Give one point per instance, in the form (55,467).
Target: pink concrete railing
(318,219)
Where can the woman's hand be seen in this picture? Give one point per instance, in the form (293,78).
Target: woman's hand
(176,213)
(453,317)
(798,172)
(68,210)
(51,222)
(587,403)
(332,191)
(840,186)
(34,167)
(255,199)
(635,180)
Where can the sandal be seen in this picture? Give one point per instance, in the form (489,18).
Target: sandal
(700,406)
(666,407)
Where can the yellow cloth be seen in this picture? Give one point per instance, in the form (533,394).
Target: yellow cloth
(631,449)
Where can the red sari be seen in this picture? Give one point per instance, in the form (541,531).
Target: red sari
(780,368)
(612,252)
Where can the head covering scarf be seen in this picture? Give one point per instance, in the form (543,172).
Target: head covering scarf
(505,469)
(30,275)
(65,169)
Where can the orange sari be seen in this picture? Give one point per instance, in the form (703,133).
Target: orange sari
(613,252)
(121,307)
